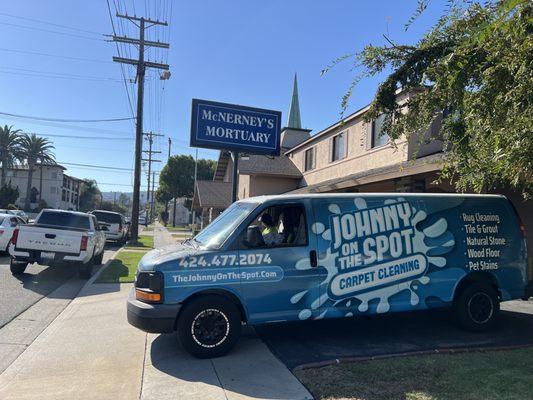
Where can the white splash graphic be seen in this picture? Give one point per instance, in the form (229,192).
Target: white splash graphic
(433,241)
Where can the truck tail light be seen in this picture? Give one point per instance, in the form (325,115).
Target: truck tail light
(83,244)
(15,236)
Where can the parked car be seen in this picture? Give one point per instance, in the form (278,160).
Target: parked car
(22,215)
(8,224)
(112,224)
(142,220)
(58,237)
(305,257)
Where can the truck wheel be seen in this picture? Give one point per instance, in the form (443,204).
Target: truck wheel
(99,258)
(17,267)
(85,270)
(477,307)
(209,326)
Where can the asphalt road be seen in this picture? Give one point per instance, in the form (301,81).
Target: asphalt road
(301,343)
(19,293)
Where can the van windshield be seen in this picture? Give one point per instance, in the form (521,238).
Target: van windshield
(217,231)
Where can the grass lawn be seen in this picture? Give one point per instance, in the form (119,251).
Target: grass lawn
(473,376)
(146,241)
(122,268)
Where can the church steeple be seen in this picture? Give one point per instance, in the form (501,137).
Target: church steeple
(294,120)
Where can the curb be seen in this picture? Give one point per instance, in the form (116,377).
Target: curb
(350,360)
(93,278)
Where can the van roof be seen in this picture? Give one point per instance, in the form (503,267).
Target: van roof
(262,199)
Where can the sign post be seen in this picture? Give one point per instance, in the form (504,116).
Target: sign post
(235,128)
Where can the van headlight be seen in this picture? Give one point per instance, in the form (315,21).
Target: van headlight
(149,287)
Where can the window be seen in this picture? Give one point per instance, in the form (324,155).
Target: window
(282,225)
(338,150)
(218,231)
(53,175)
(109,217)
(309,159)
(379,137)
(64,195)
(59,218)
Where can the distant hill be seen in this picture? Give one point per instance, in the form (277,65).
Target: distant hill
(113,196)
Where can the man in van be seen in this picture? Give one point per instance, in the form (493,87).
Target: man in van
(271,235)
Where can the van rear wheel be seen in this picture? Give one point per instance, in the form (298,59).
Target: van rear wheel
(477,307)
(209,326)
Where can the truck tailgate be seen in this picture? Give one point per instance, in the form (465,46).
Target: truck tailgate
(49,239)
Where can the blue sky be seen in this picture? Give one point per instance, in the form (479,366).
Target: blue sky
(235,51)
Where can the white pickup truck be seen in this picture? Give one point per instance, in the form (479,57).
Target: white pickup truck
(58,237)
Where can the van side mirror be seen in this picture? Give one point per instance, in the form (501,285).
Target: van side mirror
(254,238)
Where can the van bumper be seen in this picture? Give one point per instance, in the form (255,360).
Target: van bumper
(152,318)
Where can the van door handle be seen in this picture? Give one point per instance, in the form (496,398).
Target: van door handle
(313,259)
(50,236)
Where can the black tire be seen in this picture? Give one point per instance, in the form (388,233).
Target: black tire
(85,270)
(17,267)
(477,307)
(196,325)
(99,258)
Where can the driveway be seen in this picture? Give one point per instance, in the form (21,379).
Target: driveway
(19,293)
(301,343)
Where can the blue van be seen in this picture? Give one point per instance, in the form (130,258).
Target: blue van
(305,257)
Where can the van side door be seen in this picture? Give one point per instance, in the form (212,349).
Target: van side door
(277,259)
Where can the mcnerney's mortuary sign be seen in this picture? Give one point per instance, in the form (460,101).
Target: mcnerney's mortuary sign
(233,127)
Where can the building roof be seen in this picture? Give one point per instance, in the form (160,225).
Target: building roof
(255,164)
(406,168)
(267,165)
(294,120)
(214,194)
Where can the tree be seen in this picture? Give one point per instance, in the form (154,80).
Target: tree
(90,195)
(177,176)
(8,195)
(9,150)
(34,149)
(475,67)
(163,196)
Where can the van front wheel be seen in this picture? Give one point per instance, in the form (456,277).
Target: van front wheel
(477,307)
(209,326)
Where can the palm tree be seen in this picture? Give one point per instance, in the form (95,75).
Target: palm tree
(35,149)
(9,149)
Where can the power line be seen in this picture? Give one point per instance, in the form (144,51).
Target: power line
(84,137)
(51,31)
(36,53)
(96,166)
(50,23)
(52,74)
(62,125)
(65,120)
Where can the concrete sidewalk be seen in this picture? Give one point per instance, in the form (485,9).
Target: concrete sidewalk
(91,352)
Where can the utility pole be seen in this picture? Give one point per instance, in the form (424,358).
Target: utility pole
(141,64)
(150,160)
(169,146)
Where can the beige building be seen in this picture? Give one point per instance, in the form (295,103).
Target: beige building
(50,183)
(350,155)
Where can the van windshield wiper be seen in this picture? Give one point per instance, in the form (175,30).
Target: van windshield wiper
(192,242)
